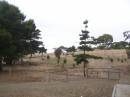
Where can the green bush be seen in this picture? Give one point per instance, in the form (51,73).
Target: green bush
(111,60)
(122,61)
(125,59)
(64,61)
(48,57)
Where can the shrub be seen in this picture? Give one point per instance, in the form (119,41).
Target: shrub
(48,57)
(111,60)
(125,59)
(64,61)
(122,61)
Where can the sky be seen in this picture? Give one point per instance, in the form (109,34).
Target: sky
(61,21)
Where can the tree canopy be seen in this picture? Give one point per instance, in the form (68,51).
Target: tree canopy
(71,49)
(18,36)
(104,41)
(58,53)
(126,35)
(120,45)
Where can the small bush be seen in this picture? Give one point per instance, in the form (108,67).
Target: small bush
(48,57)
(111,60)
(64,61)
(125,59)
(122,61)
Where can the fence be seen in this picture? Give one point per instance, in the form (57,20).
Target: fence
(98,73)
(104,73)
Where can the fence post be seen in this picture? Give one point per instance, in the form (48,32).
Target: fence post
(87,73)
(67,75)
(49,76)
(108,75)
(97,74)
(119,75)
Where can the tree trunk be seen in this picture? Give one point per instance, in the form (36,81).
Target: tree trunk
(87,69)
(84,51)
(9,61)
(42,55)
(84,65)
(31,55)
(58,60)
(1,69)
(84,71)
(21,60)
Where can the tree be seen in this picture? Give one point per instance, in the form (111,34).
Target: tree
(18,37)
(31,35)
(120,45)
(58,53)
(63,48)
(71,49)
(5,42)
(105,41)
(42,50)
(126,35)
(85,44)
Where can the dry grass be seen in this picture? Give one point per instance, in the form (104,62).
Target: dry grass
(85,88)
(35,80)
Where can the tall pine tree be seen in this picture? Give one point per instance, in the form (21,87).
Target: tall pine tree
(85,45)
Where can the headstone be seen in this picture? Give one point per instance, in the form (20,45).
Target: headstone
(121,90)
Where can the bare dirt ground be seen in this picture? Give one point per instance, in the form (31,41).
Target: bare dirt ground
(44,78)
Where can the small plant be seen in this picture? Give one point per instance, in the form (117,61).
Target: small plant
(111,59)
(122,61)
(64,62)
(48,57)
(125,59)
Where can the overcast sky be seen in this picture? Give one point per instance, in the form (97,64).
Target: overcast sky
(61,21)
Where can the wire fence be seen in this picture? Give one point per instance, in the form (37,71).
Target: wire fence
(92,73)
